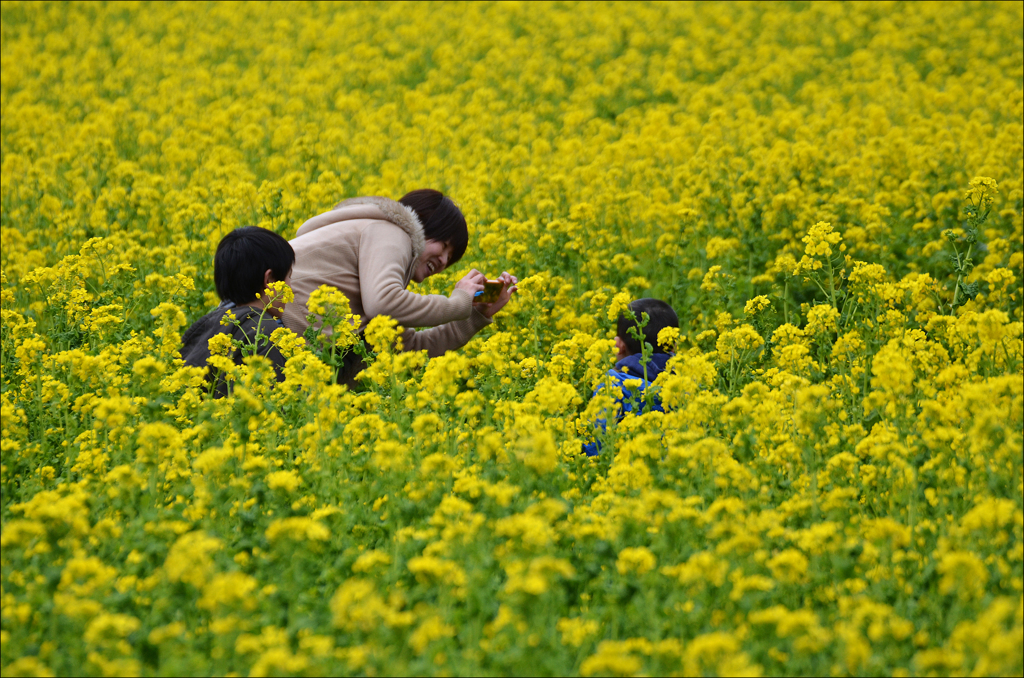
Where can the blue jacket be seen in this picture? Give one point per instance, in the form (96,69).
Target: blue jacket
(630,368)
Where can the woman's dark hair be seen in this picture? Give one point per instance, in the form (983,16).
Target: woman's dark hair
(243,256)
(441,218)
(660,316)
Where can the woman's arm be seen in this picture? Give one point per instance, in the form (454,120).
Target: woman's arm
(385,255)
(448,337)
(457,334)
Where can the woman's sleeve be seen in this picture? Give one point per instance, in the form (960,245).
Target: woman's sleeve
(449,337)
(384,257)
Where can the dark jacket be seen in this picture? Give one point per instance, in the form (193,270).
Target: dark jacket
(250,323)
(626,369)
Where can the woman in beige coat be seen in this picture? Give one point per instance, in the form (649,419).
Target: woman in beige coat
(371,248)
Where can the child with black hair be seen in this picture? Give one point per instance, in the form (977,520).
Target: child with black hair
(632,372)
(247,261)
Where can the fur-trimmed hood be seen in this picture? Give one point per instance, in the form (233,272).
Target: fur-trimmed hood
(373,207)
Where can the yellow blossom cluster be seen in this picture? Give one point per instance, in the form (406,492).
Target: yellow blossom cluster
(828,194)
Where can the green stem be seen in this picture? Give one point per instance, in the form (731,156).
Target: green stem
(960,273)
(852,315)
(831,284)
(785,301)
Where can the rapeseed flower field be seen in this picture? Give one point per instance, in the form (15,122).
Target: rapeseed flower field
(829,194)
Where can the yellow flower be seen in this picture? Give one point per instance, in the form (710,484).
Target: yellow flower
(709,283)
(287,342)
(619,304)
(298,528)
(538,451)
(611,658)
(535,578)
(288,481)
(822,318)
(789,565)
(229,589)
(635,559)
(756,305)
(384,335)
(432,568)
(166,632)
(739,343)
(221,344)
(982,191)
(278,292)
(189,558)
(28,666)
(668,338)
(718,247)
(357,605)
(819,241)
(110,628)
(962,572)
(369,560)
(429,630)
(575,631)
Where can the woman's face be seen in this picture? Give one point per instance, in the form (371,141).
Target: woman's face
(434,259)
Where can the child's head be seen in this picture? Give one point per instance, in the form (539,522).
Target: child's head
(660,316)
(247,260)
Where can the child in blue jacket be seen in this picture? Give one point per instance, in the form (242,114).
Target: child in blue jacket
(631,365)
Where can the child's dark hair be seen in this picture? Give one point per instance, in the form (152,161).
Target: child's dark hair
(243,256)
(660,316)
(441,218)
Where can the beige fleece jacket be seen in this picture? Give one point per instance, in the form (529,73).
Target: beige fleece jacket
(367,248)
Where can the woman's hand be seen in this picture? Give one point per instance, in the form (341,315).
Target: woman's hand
(507,291)
(472,282)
